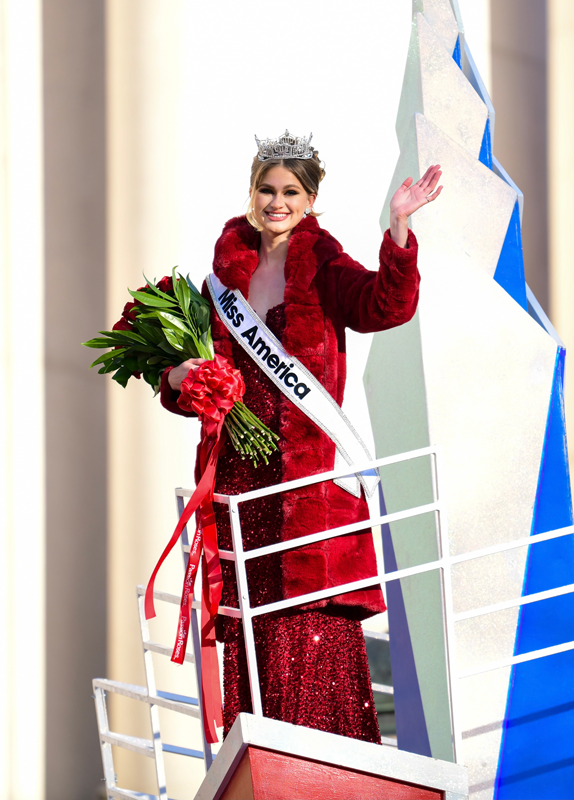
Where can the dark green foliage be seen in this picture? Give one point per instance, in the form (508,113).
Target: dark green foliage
(169,328)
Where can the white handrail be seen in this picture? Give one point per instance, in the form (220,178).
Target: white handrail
(320,477)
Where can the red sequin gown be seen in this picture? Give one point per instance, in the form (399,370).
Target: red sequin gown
(313,665)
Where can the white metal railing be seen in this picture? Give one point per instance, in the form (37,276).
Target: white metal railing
(443,563)
(240,556)
(155,699)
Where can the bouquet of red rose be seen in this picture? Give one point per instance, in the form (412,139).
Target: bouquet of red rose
(165,324)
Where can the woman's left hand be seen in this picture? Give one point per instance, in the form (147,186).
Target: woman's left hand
(409,198)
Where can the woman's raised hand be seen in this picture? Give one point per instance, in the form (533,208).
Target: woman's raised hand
(409,197)
(178,374)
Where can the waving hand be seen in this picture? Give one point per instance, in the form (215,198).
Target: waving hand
(409,197)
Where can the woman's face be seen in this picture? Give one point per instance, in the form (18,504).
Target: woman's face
(280,201)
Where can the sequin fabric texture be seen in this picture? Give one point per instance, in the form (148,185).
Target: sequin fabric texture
(313,665)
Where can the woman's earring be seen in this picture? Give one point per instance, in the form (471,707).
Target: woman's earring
(307,211)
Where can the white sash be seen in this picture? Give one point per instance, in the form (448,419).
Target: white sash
(294,380)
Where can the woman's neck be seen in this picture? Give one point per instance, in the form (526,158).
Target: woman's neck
(267,287)
(273,250)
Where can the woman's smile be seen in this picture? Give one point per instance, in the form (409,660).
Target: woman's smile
(277,215)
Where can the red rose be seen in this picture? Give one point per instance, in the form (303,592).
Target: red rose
(211,391)
(165,285)
(122,325)
(128,313)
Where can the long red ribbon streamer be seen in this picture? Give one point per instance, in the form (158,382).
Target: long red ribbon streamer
(206,535)
(203,488)
(210,684)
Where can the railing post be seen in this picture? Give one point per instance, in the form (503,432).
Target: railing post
(450,641)
(244,605)
(207,753)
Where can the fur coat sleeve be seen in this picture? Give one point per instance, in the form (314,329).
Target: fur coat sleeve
(374,301)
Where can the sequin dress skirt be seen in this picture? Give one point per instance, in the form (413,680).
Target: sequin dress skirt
(313,665)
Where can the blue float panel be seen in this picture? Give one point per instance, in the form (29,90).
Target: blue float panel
(485,156)
(510,268)
(457,54)
(537,751)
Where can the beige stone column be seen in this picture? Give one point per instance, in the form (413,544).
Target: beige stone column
(22,530)
(150,452)
(560,175)
(75,256)
(520,142)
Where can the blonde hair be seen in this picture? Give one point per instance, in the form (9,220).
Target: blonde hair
(309,172)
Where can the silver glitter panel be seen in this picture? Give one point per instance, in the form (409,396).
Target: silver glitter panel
(479,640)
(411,99)
(475,206)
(505,572)
(488,376)
(407,167)
(435,86)
(473,76)
(457,15)
(440,16)
(482,729)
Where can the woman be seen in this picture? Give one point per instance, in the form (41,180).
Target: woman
(296,276)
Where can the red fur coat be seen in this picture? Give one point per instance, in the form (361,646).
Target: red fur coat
(326,291)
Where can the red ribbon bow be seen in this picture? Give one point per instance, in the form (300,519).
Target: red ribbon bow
(210,391)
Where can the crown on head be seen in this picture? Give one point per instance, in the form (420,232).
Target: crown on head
(286,146)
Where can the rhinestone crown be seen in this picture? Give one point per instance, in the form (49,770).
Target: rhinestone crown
(286,146)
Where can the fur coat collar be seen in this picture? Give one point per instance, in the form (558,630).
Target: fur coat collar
(237,255)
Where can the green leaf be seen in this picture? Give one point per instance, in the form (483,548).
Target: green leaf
(174,340)
(154,360)
(98,343)
(148,320)
(107,356)
(181,292)
(192,286)
(122,376)
(110,366)
(204,318)
(174,323)
(131,363)
(190,348)
(167,348)
(143,349)
(151,377)
(152,333)
(119,336)
(186,295)
(147,299)
(157,291)
(206,343)
(150,315)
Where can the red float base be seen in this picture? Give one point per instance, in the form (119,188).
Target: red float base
(265,775)
(263,759)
